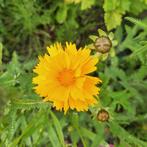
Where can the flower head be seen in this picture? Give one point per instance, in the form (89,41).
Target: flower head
(103,115)
(103,44)
(63,77)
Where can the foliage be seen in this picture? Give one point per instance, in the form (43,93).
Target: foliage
(44,23)
(1,47)
(25,120)
(115,9)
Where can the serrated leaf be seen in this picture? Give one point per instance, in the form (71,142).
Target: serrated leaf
(110,5)
(124,5)
(112,19)
(85,4)
(28,103)
(138,22)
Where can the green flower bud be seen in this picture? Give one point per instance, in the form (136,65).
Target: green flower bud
(103,115)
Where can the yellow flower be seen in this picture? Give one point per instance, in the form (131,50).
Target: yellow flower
(63,77)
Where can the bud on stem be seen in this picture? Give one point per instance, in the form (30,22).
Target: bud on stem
(103,115)
(103,44)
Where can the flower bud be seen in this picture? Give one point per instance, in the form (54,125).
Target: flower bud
(103,44)
(103,115)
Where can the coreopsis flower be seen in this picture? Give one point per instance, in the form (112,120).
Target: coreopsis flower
(63,77)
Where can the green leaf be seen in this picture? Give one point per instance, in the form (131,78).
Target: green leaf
(75,123)
(33,126)
(85,4)
(86,133)
(114,10)
(140,50)
(137,6)
(93,37)
(110,5)
(99,135)
(6,79)
(1,48)
(101,32)
(62,13)
(58,128)
(125,136)
(112,19)
(53,136)
(138,22)
(124,5)
(28,103)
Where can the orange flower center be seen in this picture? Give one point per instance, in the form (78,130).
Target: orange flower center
(66,77)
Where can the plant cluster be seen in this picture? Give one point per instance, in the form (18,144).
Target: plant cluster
(119,118)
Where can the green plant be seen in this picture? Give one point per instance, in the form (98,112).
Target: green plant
(27,27)
(29,121)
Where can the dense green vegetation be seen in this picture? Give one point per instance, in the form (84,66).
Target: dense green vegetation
(28,26)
